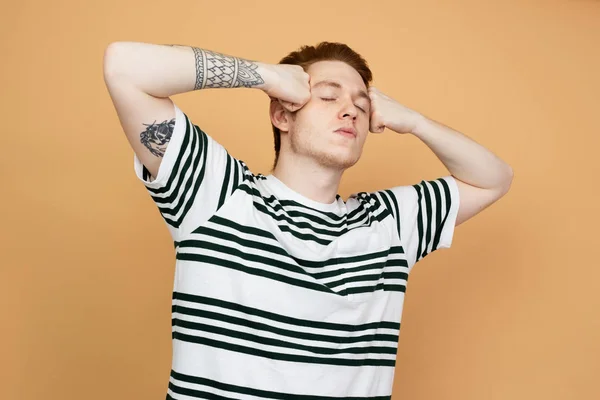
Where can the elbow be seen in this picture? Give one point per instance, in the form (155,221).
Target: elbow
(508,179)
(111,61)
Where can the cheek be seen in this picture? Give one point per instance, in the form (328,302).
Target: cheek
(364,123)
(313,117)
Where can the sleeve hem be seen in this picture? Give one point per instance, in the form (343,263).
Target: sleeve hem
(450,224)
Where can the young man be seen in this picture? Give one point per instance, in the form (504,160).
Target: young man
(282,289)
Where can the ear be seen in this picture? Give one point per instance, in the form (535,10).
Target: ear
(279,115)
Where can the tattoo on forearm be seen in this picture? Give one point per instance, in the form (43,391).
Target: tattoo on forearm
(156,137)
(216,70)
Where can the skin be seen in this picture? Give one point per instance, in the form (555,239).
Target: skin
(313,156)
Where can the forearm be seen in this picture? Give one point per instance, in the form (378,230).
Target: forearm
(166,70)
(466,160)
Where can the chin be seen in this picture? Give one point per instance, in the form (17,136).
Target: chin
(338,161)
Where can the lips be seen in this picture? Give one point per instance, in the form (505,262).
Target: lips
(347,131)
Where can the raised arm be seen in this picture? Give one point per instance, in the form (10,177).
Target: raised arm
(140,77)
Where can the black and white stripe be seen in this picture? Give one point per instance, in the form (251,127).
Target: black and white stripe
(234,327)
(203,388)
(426,217)
(307,224)
(254,251)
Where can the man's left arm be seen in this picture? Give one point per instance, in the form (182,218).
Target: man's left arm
(481,176)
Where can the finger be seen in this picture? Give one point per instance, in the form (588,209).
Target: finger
(288,106)
(376,128)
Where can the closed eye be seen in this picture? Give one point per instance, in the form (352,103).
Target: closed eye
(333,99)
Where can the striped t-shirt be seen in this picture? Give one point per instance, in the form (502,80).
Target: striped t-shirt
(277,296)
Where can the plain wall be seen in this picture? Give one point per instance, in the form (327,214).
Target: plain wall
(511,311)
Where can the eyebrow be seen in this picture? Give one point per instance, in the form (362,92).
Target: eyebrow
(337,85)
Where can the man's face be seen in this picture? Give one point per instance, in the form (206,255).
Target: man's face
(339,100)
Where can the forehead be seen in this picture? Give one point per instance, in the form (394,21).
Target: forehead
(335,70)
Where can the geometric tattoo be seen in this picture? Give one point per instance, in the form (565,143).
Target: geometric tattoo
(216,70)
(156,137)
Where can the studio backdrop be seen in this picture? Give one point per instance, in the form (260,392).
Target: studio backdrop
(510,311)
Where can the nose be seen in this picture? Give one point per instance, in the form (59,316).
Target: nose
(348,109)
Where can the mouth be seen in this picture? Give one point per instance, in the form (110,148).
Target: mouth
(348,132)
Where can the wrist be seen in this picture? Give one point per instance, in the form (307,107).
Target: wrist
(266,73)
(420,125)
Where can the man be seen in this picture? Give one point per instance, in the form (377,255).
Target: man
(282,289)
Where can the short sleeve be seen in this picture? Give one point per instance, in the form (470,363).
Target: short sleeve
(425,215)
(195,177)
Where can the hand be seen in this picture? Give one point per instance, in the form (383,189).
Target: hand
(286,83)
(387,112)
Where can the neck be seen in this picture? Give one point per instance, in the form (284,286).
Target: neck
(311,180)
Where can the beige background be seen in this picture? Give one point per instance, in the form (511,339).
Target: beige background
(510,312)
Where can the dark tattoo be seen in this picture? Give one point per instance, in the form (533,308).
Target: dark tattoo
(216,70)
(156,137)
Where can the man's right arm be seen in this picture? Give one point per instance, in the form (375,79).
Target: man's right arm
(140,77)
